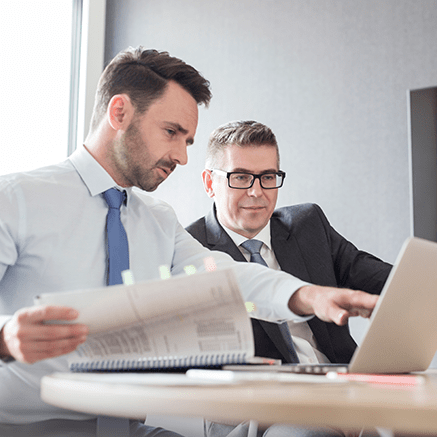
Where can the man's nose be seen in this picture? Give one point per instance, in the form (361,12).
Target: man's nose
(179,153)
(256,189)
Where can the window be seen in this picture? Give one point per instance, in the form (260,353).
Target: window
(35,71)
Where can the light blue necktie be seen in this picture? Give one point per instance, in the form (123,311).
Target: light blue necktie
(254,248)
(118,260)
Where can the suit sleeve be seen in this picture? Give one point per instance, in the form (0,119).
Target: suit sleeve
(354,268)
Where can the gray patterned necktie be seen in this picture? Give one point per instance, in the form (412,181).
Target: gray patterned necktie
(254,248)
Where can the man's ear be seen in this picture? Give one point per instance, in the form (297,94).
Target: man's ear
(207,182)
(120,112)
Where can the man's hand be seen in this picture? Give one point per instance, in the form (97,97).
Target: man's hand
(332,304)
(28,339)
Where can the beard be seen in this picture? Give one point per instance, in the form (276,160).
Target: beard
(134,161)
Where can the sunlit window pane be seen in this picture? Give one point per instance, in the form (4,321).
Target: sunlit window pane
(35,47)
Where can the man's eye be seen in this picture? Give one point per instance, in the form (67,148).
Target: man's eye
(171,132)
(242,177)
(268,177)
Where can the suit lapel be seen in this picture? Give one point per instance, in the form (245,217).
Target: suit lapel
(275,335)
(290,258)
(218,239)
(287,250)
(323,338)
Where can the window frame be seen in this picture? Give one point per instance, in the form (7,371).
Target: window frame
(87,62)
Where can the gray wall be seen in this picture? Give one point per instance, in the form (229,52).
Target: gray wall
(330,77)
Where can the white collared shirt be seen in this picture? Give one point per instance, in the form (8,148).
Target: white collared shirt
(303,338)
(52,239)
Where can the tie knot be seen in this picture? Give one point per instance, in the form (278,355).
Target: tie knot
(252,246)
(114,198)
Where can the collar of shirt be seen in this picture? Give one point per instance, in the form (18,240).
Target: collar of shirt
(266,251)
(263,235)
(94,176)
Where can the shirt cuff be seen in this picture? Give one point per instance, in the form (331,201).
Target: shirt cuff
(7,359)
(284,295)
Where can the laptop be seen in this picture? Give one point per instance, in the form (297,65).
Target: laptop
(402,333)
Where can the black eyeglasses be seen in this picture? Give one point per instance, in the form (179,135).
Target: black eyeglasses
(243,181)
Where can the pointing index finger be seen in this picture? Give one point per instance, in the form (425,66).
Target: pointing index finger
(362,301)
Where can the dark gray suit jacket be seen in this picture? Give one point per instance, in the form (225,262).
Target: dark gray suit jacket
(306,246)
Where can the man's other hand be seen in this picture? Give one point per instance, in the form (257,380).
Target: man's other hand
(28,338)
(332,304)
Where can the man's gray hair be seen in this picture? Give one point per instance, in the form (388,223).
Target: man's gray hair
(242,133)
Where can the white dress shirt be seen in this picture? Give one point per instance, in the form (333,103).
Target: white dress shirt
(303,338)
(52,239)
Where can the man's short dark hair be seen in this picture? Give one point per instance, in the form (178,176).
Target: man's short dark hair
(143,75)
(242,133)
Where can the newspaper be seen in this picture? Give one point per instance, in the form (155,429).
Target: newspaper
(185,321)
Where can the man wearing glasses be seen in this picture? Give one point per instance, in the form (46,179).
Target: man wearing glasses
(242,176)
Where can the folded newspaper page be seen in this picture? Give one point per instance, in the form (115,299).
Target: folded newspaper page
(196,320)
